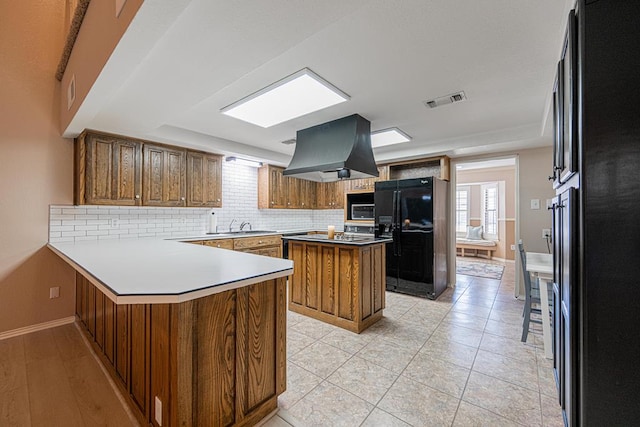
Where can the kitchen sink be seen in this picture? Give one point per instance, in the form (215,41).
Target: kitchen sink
(240,232)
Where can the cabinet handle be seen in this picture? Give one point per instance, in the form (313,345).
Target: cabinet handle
(218,245)
(272,203)
(288,203)
(137,196)
(182,198)
(217,200)
(552,177)
(259,242)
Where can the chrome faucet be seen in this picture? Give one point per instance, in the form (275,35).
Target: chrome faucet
(243,225)
(231,223)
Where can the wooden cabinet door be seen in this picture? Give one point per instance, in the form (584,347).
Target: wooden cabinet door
(204,180)
(277,188)
(336,195)
(164,176)
(112,169)
(568,283)
(307,194)
(294,196)
(272,188)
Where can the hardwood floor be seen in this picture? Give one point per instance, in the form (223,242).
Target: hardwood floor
(51,378)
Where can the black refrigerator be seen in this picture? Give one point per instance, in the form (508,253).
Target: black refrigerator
(413,212)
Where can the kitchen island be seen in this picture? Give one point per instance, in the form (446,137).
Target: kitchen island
(341,282)
(192,335)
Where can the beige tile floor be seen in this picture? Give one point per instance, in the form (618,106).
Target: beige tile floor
(457,361)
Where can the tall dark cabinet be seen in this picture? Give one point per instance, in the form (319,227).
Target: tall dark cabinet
(596,175)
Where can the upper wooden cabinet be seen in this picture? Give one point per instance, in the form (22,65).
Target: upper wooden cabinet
(367,183)
(330,195)
(117,170)
(204,175)
(308,191)
(164,176)
(271,188)
(435,166)
(276,191)
(108,171)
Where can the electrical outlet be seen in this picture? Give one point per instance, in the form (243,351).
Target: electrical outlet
(546,232)
(183,220)
(158,408)
(54,292)
(115,223)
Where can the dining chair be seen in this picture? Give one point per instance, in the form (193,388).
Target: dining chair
(531,294)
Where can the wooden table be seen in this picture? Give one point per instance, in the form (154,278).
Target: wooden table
(541,265)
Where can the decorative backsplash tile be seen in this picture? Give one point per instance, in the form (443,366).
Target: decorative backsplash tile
(240,202)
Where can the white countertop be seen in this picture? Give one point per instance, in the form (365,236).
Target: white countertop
(240,235)
(155,271)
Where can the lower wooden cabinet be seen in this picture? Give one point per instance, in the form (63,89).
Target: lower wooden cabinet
(219,243)
(261,245)
(219,360)
(343,285)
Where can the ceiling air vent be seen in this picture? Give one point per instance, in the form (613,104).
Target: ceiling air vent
(447,99)
(289,141)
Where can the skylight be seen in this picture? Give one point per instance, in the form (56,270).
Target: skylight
(296,95)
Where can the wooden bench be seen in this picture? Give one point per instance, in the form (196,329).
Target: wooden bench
(477,248)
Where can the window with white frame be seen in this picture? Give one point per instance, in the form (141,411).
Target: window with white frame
(490,210)
(462,208)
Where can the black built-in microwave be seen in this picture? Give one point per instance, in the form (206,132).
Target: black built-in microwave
(362,211)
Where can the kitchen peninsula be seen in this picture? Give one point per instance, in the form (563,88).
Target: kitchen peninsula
(192,335)
(341,282)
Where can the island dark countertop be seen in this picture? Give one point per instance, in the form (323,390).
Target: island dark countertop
(348,240)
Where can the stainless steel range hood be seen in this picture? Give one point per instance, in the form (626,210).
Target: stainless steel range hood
(323,150)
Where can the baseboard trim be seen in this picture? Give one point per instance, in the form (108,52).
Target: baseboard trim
(38,327)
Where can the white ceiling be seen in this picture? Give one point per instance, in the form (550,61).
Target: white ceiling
(181,61)
(488,164)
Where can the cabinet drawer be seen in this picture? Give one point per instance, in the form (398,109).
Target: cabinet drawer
(219,243)
(256,242)
(273,251)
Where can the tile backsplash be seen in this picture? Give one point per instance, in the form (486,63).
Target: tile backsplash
(239,200)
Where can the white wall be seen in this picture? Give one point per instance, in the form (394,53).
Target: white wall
(239,199)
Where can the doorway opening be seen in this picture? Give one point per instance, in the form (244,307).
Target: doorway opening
(484,213)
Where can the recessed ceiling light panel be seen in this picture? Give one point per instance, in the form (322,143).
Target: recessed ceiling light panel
(296,95)
(389,136)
